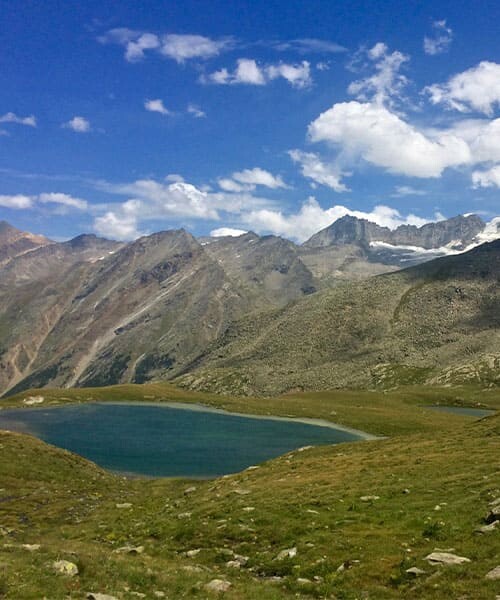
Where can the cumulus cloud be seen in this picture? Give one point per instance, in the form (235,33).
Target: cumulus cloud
(382,138)
(312,167)
(477,89)
(441,39)
(312,217)
(16,202)
(248,72)
(248,179)
(387,82)
(179,47)
(227,232)
(78,124)
(156,106)
(488,178)
(11,117)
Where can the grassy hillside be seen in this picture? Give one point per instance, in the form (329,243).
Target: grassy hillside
(437,323)
(425,491)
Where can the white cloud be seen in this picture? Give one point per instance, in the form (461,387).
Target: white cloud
(313,168)
(227,231)
(134,50)
(310,45)
(259,176)
(311,218)
(248,179)
(489,178)
(174,178)
(178,47)
(185,47)
(17,201)
(117,226)
(64,200)
(196,111)
(476,89)
(441,40)
(229,185)
(11,117)
(250,73)
(78,124)
(156,106)
(407,190)
(387,82)
(382,138)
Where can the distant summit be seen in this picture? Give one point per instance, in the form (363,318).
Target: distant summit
(14,242)
(457,233)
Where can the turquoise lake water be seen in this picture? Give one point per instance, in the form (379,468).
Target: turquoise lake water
(165,441)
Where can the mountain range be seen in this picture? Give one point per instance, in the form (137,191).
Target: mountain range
(252,314)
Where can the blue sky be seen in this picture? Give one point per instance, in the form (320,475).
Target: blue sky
(124,118)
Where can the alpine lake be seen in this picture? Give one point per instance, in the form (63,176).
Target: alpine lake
(174,440)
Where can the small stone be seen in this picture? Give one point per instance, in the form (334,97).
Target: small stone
(493,515)
(287,553)
(31,400)
(159,594)
(303,580)
(304,448)
(31,547)
(218,585)
(94,596)
(233,564)
(487,528)
(369,498)
(446,558)
(415,571)
(406,491)
(130,550)
(193,553)
(190,490)
(65,567)
(184,515)
(495,502)
(124,505)
(493,574)
(248,508)
(348,564)
(241,492)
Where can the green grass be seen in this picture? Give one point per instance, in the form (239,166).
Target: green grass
(306,499)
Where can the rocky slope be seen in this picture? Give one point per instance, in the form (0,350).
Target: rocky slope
(94,312)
